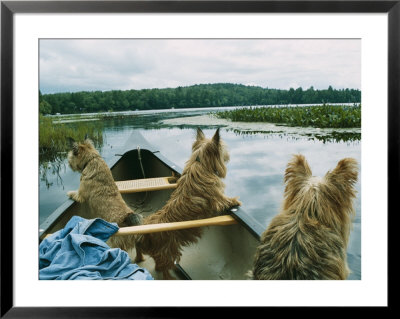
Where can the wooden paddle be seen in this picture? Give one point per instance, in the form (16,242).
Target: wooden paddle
(153,228)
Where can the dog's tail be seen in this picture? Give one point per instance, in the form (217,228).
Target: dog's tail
(133,219)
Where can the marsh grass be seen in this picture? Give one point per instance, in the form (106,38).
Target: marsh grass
(54,145)
(54,137)
(321,116)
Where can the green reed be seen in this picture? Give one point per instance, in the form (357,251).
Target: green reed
(323,116)
(53,137)
(54,145)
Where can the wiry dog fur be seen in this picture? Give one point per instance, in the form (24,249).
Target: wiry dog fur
(98,191)
(199,194)
(308,238)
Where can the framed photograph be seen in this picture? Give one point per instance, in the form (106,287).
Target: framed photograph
(167,74)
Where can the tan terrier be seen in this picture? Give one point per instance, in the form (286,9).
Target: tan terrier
(99,192)
(308,238)
(199,194)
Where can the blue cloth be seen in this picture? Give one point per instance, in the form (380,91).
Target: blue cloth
(79,251)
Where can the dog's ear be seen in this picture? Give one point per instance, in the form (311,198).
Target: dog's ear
(88,141)
(296,175)
(345,173)
(216,138)
(200,135)
(75,148)
(73,145)
(297,168)
(71,142)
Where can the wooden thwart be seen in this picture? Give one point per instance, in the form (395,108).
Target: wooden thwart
(146,184)
(154,228)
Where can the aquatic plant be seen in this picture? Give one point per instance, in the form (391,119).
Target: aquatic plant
(337,137)
(321,116)
(331,137)
(54,137)
(54,145)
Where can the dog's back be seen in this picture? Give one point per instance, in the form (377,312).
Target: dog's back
(199,194)
(308,238)
(292,250)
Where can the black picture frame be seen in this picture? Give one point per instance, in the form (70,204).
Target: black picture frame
(9,8)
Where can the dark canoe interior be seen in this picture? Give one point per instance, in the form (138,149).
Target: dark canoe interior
(223,252)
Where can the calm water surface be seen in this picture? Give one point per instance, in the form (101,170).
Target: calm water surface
(258,154)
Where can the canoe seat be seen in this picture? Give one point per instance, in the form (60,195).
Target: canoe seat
(146,184)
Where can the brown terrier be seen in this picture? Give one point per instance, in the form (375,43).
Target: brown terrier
(308,238)
(98,191)
(199,194)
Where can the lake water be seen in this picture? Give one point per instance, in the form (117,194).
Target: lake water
(259,154)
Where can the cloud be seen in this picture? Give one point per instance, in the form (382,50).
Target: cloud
(91,64)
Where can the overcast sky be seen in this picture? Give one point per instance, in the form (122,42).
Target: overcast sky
(89,65)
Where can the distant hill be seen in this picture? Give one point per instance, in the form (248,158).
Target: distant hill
(200,95)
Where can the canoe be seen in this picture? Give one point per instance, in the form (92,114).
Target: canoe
(224,252)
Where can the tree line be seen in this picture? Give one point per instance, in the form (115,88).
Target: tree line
(200,95)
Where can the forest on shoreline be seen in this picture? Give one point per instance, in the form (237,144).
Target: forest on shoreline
(195,96)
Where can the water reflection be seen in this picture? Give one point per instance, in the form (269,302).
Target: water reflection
(55,167)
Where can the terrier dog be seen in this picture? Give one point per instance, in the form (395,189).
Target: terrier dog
(308,238)
(99,192)
(199,194)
